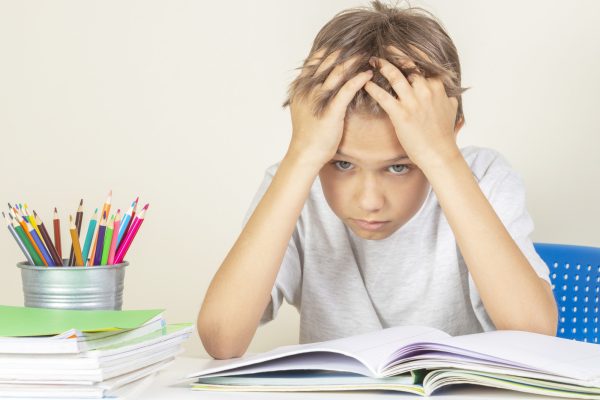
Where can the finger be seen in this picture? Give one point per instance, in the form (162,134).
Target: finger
(382,97)
(399,83)
(310,63)
(338,74)
(344,96)
(328,62)
(408,63)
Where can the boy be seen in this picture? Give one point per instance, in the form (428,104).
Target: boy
(375,217)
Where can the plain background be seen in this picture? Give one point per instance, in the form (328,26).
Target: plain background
(179,102)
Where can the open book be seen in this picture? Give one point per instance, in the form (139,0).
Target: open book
(418,360)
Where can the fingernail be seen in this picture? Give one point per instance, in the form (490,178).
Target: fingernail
(373,61)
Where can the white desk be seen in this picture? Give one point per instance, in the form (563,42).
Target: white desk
(164,386)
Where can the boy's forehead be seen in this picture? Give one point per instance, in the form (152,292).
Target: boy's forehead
(370,139)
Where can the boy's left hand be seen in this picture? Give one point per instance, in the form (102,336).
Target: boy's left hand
(423,115)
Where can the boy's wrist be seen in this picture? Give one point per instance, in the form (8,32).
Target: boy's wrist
(302,160)
(431,163)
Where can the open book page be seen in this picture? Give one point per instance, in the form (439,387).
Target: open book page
(303,381)
(365,354)
(443,377)
(515,351)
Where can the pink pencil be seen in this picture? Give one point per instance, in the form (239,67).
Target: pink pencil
(130,235)
(113,243)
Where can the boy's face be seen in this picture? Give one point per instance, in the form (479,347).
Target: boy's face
(370,184)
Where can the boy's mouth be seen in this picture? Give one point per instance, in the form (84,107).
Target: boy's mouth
(369,225)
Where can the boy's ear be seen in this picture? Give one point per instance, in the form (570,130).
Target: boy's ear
(458,125)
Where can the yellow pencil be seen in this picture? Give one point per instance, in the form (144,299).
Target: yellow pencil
(76,245)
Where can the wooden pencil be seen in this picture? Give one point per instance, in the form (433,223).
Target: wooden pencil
(113,243)
(89,236)
(107,240)
(28,244)
(15,235)
(105,207)
(125,222)
(57,241)
(100,242)
(23,225)
(78,219)
(40,244)
(130,235)
(76,245)
(47,240)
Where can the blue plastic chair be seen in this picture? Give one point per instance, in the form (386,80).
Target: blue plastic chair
(575,276)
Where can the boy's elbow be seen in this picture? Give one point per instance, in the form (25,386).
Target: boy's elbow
(218,344)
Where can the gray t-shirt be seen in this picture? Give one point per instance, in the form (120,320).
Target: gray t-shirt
(344,285)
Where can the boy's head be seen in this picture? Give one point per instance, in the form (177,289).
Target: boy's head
(368,180)
(367,32)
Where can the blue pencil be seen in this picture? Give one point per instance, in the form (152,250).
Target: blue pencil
(88,238)
(18,239)
(125,222)
(40,245)
(100,240)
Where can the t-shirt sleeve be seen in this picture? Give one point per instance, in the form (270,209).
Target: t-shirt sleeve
(287,283)
(505,191)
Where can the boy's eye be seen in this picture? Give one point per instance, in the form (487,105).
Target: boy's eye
(398,169)
(343,165)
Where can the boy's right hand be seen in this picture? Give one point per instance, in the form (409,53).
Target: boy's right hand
(315,139)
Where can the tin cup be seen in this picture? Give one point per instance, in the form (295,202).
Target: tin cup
(73,288)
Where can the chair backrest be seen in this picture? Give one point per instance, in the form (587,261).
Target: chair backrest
(575,276)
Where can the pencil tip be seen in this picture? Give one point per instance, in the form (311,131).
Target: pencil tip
(81,202)
(146,206)
(55,209)
(34,213)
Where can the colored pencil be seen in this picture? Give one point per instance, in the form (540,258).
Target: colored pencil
(105,207)
(78,219)
(31,220)
(107,240)
(57,242)
(88,236)
(126,221)
(113,243)
(100,242)
(23,225)
(15,235)
(75,239)
(38,241)
(37,260)
(131,232)
(47,241)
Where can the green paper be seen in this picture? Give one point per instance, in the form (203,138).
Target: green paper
(29,321)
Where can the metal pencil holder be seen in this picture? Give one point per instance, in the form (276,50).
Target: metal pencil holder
(75,288)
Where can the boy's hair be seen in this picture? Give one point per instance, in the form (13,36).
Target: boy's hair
(366,32)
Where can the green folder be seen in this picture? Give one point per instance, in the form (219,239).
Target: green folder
(28,321)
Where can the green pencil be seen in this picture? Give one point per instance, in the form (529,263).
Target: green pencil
(36,258)
(107,240)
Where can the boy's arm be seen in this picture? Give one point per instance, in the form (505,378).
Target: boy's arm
(424,120)
(514,296)
(239,293)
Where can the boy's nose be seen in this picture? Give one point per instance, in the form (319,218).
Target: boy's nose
(370,195)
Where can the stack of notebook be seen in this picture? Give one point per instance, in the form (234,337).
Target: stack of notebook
(82,354)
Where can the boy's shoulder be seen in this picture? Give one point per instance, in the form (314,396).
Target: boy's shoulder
(486,162)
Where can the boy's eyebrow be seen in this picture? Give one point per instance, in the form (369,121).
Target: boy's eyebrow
(398,158)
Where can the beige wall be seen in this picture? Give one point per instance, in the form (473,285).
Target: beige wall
(179,102)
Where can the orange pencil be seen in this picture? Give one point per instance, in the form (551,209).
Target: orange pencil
(21,222)
(76,244)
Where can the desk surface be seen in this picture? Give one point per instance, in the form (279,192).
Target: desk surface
(165,386)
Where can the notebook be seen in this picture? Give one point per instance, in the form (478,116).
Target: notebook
(418,360)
